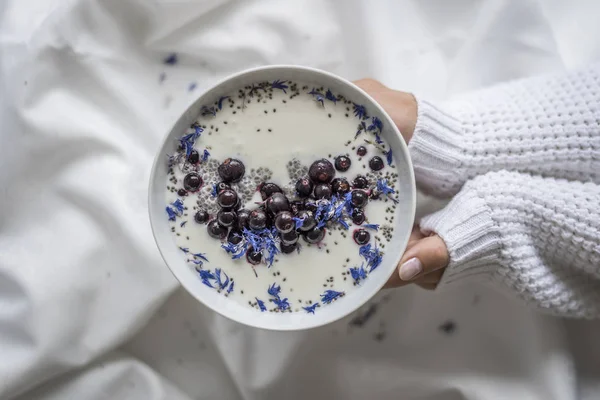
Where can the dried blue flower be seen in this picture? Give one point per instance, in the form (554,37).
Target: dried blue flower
(372,256)
(206,276)
(220,282)
(329,96)
(192,86)
(279,85)
(343,223)
(206,111)
(187,141)
(378,139)
(183,224)
(274,290)
(388,156)
(213,192)
(298,221)
(375,227)
(230,288)
(220,102)
(361,128)
(311,309)
(205,155)
(184,249)
(330,295)
(360,111)
(282,304)
(376,124)
(171,59)
(358,273)
(320,99)
(171,213)
(178,204)
(383,187)
(261,304)
(200,255)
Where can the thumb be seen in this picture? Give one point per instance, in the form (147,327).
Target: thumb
(425,256)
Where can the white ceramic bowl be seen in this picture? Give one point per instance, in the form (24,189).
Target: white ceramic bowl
(297,320)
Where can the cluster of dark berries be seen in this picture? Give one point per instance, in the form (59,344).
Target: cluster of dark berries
(291,219)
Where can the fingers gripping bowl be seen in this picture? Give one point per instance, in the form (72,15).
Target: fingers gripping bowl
(283,198)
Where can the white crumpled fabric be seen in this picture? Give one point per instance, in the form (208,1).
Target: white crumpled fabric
(88,310)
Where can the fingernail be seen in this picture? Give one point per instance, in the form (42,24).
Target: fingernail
(410,269)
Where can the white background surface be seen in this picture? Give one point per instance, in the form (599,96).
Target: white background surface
(87,308)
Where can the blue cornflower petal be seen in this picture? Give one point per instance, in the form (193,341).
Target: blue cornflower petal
(330,295)
(261,304)
(220,102)
(311,309)
(171,59)
(278,84)
(375,227)
(329,96)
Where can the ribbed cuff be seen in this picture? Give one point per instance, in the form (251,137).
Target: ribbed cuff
(471,235)
(436,151)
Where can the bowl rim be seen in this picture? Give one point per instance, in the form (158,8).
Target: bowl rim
(158,160)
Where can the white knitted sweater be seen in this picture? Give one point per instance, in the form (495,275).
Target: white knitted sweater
(522,162)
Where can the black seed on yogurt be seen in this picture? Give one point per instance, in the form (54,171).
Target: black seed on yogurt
(342,163)
(192,182)
(215,230)
(231,170)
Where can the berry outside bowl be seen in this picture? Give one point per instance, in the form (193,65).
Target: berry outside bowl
(186,274)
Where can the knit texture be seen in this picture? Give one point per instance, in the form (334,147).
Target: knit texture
(549,126)
(522,161)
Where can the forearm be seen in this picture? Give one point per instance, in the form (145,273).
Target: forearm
(546,125)
(538,237)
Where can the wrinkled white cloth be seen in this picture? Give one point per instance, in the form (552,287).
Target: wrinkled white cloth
(87,308)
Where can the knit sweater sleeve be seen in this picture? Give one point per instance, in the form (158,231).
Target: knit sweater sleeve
(548,126)
(537,237)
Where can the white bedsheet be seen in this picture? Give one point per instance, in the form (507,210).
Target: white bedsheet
(87,308)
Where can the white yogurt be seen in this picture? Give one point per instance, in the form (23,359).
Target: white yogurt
(266,134)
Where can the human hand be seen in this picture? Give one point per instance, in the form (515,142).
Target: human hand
(401,106)
(423,262)
(426,256)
